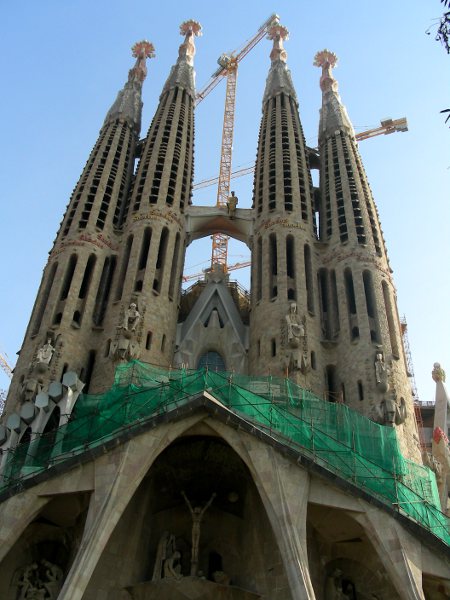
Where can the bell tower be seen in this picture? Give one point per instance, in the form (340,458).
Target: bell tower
(284,329)
(64,332)
(365,364)
(141,322)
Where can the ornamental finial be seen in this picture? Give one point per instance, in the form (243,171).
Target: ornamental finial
(141,51)
(438,373)
(190,29)
(278,33)
(327,60)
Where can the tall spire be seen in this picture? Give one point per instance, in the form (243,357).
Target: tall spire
(182,73)
(279,78)
(128,104)
(333,115)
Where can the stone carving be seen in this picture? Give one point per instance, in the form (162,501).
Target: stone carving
(381,373)
(45,353)
(232,202)
(295,328)
(166,548)
(197,516)
(30,389)
(125,349)
(438,373)
(172,566)
(393,412)
(40,580)
(435,465)
(126,346)
(132,318)
(294,337)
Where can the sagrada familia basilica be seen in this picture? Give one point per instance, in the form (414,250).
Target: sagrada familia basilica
(216,443)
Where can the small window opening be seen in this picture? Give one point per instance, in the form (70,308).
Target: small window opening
(273,347)
(148,340)
(360,390)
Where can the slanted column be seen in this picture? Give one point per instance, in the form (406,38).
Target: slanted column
(284,489)
(283,281)
(440,460)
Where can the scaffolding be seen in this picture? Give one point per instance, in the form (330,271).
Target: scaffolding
(338,439)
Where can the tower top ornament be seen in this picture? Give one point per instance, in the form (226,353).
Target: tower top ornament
(278,33)
(438,373)
(141,51)
(327,60)
(190,29)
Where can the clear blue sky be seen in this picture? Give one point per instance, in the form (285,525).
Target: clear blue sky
(63,62)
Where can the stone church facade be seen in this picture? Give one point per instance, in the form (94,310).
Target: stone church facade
(199,500)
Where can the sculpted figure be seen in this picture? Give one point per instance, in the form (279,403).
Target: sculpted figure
(393,413)
(197,516)
(40,581)
(124,349)
(132,318)
(30,584)
(381,373)
(231,205)
(53,578)
(172,567)
(295,328)
(45,353)
(166,548)
(30,389)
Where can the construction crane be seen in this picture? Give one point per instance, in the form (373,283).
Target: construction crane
(412,379)
(5,366)
(9,372)
(228,66)
(387,126)
(408,356)
(238,265)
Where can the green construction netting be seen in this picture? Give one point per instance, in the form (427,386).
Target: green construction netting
(332,435)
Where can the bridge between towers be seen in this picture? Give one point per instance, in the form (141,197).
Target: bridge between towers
(202,221)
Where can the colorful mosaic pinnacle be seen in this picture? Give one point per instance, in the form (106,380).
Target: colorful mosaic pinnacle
(327,60)
(278,33)
(143,49)
(190,29)
(276,30)
(438,373)
(191,26)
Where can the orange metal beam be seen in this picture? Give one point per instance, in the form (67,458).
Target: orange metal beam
(387,126)
(237,56)
(219,250)
(390,126)
(5,366)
